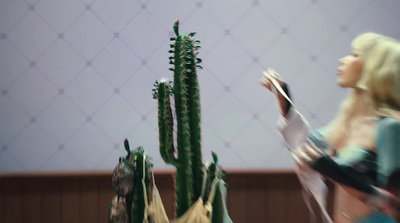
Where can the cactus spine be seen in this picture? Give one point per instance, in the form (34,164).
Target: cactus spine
(185,90)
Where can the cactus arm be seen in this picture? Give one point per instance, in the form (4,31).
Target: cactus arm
(217,214)
(137,199)
(210,171)
(213,172)
(165,123)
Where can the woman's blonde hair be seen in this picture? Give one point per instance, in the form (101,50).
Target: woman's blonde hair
(337,129)
(382,68)
(361,46)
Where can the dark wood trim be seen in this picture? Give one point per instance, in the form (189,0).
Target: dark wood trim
(75,174)
(253,196)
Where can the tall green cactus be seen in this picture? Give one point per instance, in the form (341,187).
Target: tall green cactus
(185,90)
(127,181)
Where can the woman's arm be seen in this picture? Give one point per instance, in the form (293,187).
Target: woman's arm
(295,130)
(293,127)
(284,104)
(342,172)
(341,169)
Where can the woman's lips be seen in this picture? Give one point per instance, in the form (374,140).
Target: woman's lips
(339,71)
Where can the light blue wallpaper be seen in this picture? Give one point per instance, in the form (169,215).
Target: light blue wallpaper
(76,76)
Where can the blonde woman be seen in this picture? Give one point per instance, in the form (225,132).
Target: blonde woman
(360,148)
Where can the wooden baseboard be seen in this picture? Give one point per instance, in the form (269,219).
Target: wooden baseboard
(253,196)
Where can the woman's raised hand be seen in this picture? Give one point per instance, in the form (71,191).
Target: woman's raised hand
(270,80)
(268,75)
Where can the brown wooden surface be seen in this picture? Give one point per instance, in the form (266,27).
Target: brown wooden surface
(276,195)
(253,196)
(51,203)
(2,197)
(89,201)
(237,195)
(70,205)
(13,197)
(256,201)
(32,197)
(105,195)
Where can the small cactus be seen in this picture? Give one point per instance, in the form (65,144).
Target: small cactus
(127,182)
(214,172)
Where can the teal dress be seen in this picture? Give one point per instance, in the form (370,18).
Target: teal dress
(377,218)
(361,168)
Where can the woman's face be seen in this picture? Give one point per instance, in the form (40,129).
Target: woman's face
(349,73)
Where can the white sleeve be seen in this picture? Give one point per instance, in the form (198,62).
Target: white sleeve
(293,128)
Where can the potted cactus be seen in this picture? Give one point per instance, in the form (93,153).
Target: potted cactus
(186,156)
(132,179)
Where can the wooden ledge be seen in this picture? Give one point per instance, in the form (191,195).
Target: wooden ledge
(108,173)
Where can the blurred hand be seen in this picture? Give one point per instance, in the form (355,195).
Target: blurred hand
(267,76)
(270,80)
(306,154)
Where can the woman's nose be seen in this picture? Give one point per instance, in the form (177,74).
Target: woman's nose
(341,60)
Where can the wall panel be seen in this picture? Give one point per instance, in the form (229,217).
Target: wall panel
(76,77)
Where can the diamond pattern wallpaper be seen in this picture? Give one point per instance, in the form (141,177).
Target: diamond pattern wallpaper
(76,76)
